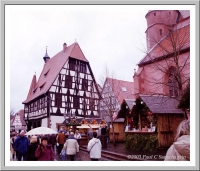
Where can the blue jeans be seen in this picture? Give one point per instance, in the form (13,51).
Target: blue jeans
(19,156)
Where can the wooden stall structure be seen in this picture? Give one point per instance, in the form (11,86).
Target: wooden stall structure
(119,127)
(165,118)
(168,117)
(166,127)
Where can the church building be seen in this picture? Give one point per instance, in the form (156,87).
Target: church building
(165,69)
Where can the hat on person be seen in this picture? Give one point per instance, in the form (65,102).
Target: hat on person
(22,131)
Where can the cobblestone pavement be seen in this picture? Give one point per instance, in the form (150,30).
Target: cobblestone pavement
(82,156)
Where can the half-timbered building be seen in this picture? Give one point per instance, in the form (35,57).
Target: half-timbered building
(66,88)
(113,93)
(17,122)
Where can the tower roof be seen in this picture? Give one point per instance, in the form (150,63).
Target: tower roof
(46,55)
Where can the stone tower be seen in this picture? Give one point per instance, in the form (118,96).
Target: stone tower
(159,24)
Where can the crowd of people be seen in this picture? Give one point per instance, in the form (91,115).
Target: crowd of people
(43,148)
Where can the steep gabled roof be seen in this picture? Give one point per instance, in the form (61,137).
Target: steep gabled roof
(51,70)
(118,86)
(32,87)
(161,104)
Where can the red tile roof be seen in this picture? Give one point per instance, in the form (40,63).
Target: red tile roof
(117,89)
(182,39)
(32,87)
(51,70)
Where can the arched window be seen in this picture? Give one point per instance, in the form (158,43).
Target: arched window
(172,82)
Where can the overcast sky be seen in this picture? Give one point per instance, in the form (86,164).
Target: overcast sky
(112,36)
(109,35)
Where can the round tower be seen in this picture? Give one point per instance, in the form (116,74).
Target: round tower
(159,24)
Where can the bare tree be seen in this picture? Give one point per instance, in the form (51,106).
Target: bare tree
(109,103)
(168,59)
(12,112)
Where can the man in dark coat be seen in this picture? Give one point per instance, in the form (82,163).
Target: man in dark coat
(52,140)
(21,145)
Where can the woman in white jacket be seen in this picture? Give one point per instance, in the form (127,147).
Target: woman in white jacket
(71,146)
(180,149)
(94,148)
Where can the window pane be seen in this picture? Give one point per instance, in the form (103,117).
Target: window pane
(76,102)
(84,84)
(68,81)
(72,64)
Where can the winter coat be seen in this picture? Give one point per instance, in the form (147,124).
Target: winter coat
(30,155)
(52,139)
(71,146)
(94,147)
(46,155)
(21,144)
(179,150)
(61,138)
(77,136)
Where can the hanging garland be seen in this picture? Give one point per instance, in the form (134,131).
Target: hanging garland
(141,109)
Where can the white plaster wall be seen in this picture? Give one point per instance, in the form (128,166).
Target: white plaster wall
(44,122)
(56,119)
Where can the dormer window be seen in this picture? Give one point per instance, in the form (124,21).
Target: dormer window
(154,14)
(42,86)
(124,89)
(45,74)
(34,90)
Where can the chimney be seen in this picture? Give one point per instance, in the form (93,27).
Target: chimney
(64,47)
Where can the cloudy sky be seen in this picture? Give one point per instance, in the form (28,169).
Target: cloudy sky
(109,35)
(112,36)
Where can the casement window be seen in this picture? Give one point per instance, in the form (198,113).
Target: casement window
(68,81)
(76,103)
(82,67)
(172,83)
(91,104)
(84,84)
(72,64)
(58,100)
